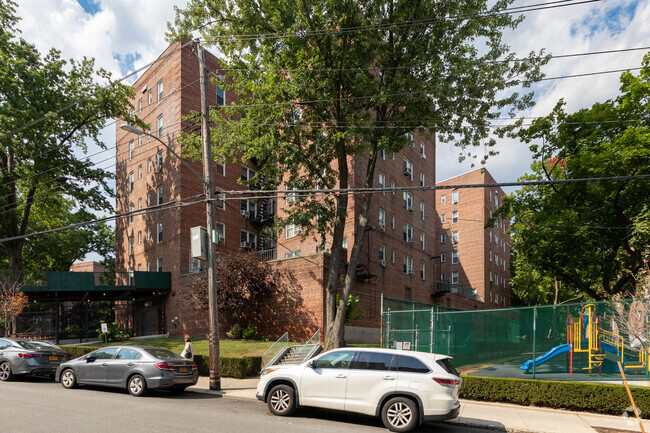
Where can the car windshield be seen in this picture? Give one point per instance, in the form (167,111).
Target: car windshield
(163,353)
(36,345)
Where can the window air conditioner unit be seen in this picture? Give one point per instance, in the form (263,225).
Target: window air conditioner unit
(244,213)
(382,226)
(382,263)
(407,171)
(409,272)
(246,245)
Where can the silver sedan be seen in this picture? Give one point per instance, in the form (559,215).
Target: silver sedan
(29,357)
(136,368)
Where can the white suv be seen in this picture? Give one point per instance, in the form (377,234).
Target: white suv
(404,388)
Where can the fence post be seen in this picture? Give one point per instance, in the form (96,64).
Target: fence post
(381,326)
(534,336)
(431,328)
(416,338)
(388,330)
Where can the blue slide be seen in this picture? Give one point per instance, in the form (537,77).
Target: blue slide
(557,350)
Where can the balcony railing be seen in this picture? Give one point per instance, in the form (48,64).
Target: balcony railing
(446,286)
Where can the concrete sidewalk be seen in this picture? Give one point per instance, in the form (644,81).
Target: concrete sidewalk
(497,416)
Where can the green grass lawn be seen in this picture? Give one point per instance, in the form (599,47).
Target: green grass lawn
(227,348)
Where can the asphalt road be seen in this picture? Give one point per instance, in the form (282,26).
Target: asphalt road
(37,405)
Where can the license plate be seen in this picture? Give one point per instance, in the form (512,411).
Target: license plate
(53,357)
(182,369)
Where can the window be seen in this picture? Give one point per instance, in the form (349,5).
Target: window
(132,112)
(149,97)
(246,174)
(408,265)
(411,365)
(496,239)
(140,105)
(105,353)
(443,198)
(148,266)
(248,239)
(392,222)
(149,165)
(160,90)
(148,233)
(160,126)
(454,217)
(408,169)
(443,238)
(159,160)
(247,207)
(454,197)
(131,209)
(454,258)
(382,181)
(159,266)
(382,255)
(392,256)
(160,232)
(139,140)
(422,183)
(496,199)
(131,181)
(443,277)
(160,195)
(292,254)
(490,236)
(139,172)
(408,200)
(221,200)
(490,276)
(341,359)
(392,186)
(375,361)
(408,293)
(382,154)
(291,230)
(148,199)
(422,211)
(422,272)
(130,245)
(344,244)
(290,197)
(409,137)
(422,241)
(408,233)
(443,218)
(140,238)
(221,169)
(221,232)
(490,256)
(131,147)
(423,154)
(128,354)
(496,260)
(221,96)
(454,237)
(382,219)
(443,258)
(454,277)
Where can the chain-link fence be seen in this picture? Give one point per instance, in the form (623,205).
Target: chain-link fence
(566,340)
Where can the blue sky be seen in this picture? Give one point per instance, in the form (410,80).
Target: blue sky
(91,7)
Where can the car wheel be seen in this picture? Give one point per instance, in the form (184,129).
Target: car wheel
(137,385)
(282,400)
(68,379)
(5,372)
(400,414)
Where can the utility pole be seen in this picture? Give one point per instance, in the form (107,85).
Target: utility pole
(215,369)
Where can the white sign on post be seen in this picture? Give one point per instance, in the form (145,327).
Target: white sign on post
(104,328)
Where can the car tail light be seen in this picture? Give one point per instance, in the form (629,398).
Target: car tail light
(29,355)
(68,356)
(164,366)
(194,367)
(447,382)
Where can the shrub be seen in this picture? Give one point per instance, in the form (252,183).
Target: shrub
(586,397)
(231,367)
(235,332)
(77,351)
(115,333)
(250,332)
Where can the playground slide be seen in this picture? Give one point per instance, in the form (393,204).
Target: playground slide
(557,350)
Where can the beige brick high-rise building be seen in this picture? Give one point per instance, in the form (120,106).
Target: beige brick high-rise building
(474,260)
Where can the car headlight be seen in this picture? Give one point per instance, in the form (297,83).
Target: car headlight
(267,371)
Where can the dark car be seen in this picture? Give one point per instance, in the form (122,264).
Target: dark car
(29,357)
(136,368)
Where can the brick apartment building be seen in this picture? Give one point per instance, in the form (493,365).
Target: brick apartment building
(474,260)
(398,258)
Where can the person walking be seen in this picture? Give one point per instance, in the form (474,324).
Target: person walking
(188,350)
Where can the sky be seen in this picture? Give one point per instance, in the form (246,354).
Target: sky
(123,35)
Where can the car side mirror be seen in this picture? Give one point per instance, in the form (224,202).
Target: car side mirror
(91,359)
(310,363)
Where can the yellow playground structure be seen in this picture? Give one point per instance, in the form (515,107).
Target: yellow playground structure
(585,335)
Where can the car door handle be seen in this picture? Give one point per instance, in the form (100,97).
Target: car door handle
(341,376)
(130,364)
(104,364)
(388,377)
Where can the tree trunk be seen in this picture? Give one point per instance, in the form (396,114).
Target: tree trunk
(14,250)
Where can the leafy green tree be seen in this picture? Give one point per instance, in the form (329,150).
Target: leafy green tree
(325,82)
(49,108)
(590,236)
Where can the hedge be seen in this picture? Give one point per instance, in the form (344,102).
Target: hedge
(230,367)
(586,397)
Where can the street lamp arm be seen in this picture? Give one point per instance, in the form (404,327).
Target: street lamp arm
(133,129)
